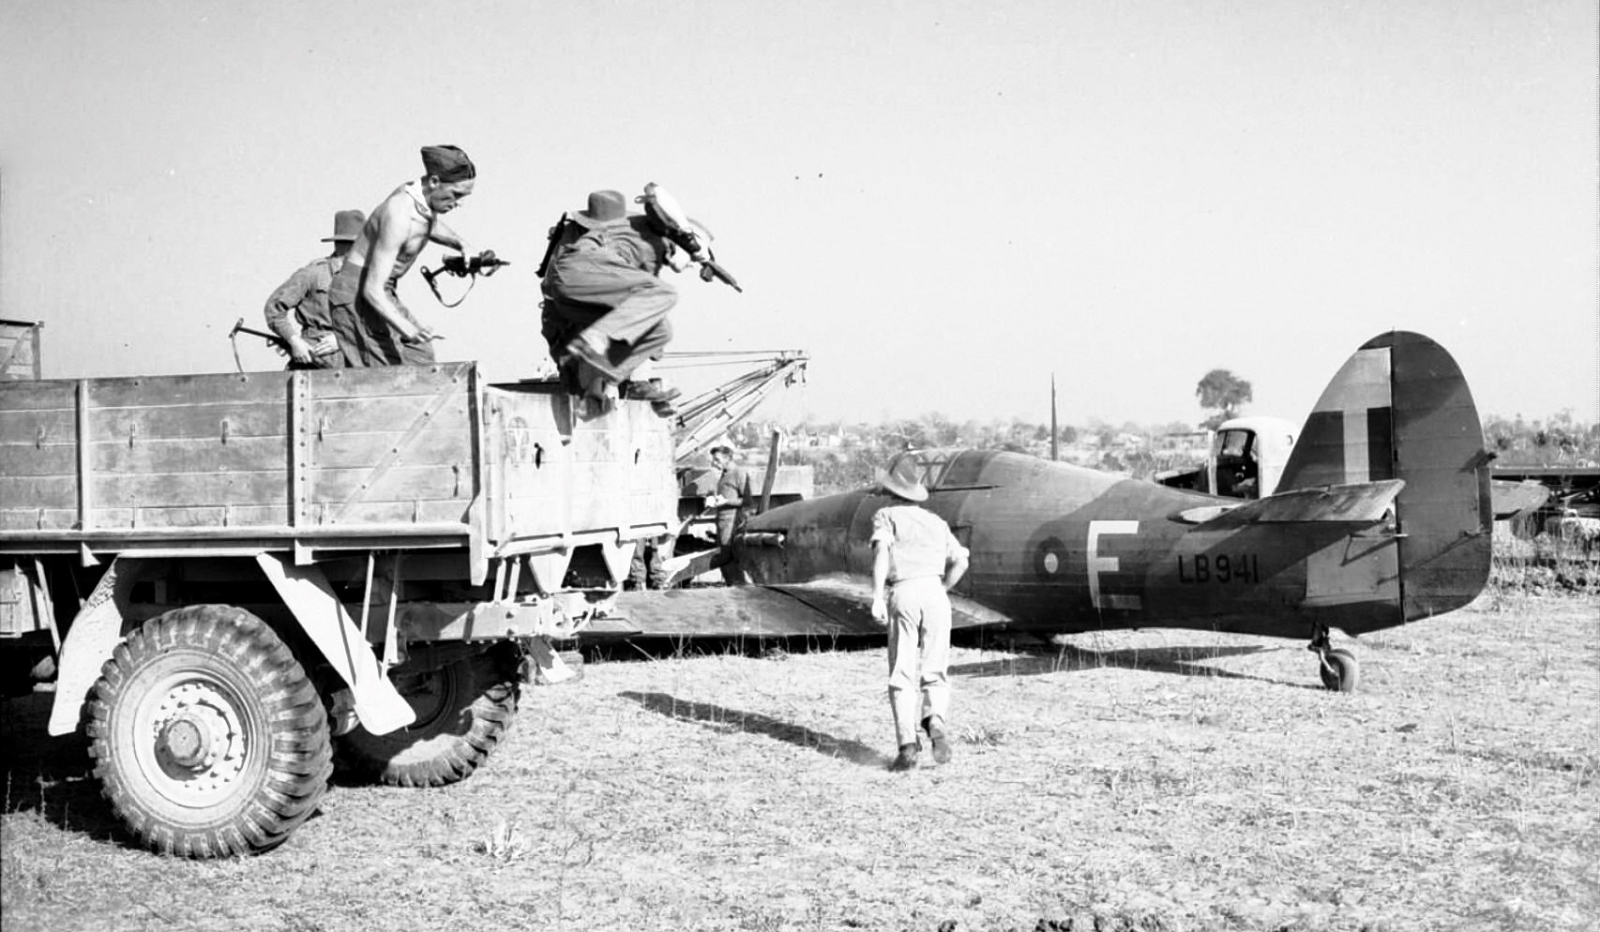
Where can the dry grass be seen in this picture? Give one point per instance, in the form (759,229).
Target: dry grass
(1164,780)
(1544,565)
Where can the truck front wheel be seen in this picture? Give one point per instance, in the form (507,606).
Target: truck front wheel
(208,738)
(463,710)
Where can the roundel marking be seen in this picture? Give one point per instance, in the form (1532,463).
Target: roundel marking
(1048,557)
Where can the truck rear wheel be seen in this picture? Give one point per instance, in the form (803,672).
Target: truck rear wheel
(208,738)
(463,710)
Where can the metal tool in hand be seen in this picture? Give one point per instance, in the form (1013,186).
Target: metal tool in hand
(278,343)
(323,346)
(483,264)
(684,231)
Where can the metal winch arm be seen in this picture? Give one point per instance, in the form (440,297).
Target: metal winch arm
(708,415)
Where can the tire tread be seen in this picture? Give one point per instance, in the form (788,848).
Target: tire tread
(441,758)
(295,738)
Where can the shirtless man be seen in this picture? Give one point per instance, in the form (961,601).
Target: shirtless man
(374,328)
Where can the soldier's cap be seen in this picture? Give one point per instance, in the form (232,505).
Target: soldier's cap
(347,226)
(605,208)
(722,448)
(447,163)
(902,479)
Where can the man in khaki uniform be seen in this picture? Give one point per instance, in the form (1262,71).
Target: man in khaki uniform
(605,302)
(298,310)
(731,500)
(915,562)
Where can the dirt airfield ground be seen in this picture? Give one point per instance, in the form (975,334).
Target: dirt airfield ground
(1163,780)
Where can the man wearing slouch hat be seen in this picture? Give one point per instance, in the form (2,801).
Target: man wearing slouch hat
(605,303)
(374,327)
(298,310)
(916,559)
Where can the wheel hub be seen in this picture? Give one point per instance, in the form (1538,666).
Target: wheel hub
(198,741)
(185,740)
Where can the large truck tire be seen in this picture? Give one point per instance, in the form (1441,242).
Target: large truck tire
(463,710)
(208,738)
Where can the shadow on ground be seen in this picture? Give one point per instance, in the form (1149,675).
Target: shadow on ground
(1038,657)
(723,718)
(1180,660)
(51,776)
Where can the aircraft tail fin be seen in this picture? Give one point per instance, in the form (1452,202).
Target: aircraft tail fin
(1401,409)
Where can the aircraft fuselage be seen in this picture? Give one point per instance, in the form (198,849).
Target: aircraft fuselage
(1059,548)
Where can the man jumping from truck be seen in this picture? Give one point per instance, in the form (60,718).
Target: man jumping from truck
(605,305)
(604,301)
(373,326)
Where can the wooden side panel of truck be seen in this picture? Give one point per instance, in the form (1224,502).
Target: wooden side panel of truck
(421,457)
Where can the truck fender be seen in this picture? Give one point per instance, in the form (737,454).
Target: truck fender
(312,601)
(89,642)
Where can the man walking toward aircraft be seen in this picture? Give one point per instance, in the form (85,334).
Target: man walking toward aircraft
(915,562)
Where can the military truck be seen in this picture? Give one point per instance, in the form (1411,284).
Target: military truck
(241,577)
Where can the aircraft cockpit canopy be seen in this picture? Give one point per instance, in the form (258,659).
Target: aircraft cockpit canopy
(945,468)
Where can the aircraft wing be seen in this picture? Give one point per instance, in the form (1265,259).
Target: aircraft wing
(832,607)
(734,611)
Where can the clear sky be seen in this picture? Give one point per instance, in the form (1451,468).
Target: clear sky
(943,203)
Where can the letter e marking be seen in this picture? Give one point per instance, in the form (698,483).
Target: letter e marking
(1098,564)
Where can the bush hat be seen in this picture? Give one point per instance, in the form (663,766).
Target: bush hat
(902,479)
(605,208)
(347,226)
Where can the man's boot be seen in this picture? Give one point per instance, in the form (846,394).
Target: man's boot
(580,348)
(941,740)
(906,759)
(652,390)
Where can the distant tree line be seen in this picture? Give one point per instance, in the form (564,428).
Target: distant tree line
(1556,441)
(845,455)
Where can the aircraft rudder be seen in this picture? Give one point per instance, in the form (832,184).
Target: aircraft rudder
(1445,512)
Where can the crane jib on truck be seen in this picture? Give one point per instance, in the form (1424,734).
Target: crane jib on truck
(232,571)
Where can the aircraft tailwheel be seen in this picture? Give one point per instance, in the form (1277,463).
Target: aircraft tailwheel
(1340,672)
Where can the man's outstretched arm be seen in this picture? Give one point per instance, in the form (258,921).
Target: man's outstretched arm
(446,237)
